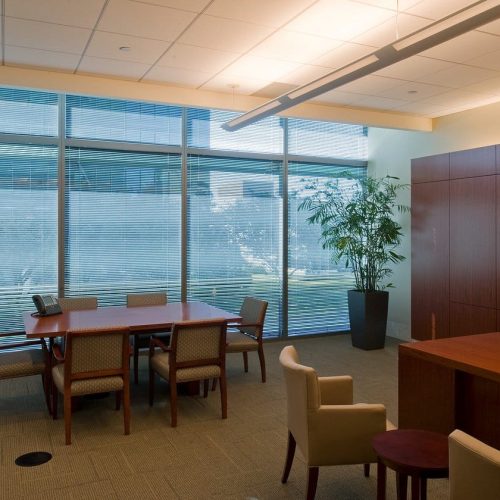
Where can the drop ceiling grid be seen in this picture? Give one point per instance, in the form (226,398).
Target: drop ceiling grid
(190,47)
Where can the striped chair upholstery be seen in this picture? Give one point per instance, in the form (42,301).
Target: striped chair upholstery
(32,360)
(95,361)
(142,340)
(196,352)
(78,303)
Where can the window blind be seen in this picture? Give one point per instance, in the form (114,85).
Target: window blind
(204,130)
(123,224)
(317,287)
(234,233)
(327,139)
(28,229)
(125,121)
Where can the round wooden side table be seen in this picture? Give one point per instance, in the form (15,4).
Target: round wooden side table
(418,454)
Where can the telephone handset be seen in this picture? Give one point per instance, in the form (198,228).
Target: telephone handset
(46,305)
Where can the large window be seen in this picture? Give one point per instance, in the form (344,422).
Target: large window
(101,197)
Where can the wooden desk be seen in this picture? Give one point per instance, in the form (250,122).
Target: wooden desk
(138,319)
(452,383)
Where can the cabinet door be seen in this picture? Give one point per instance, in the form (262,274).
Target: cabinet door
(430,260)
(473,162)
(473,241)
(469,320)
(430,168)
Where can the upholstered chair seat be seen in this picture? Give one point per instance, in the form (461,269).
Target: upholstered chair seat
(239,342)
(160,365)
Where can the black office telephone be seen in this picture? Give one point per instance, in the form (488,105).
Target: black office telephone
(46,305)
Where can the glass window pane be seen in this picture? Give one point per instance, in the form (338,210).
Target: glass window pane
(317,287)
(28,228)
(125,121)
(122,223)
(234,233)
(204,130)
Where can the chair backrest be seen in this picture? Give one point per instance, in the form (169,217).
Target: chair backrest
(302,394)
(198,343)
(92,353)
(146,299)
(253,311)
(78,303)
(474,468)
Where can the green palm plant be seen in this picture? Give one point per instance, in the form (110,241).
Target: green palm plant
(357,220)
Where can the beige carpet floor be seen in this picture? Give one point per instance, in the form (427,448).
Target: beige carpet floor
(205,457)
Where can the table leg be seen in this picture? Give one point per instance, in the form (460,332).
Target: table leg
(381,480)
(423,488)
(415,487)
(401,485)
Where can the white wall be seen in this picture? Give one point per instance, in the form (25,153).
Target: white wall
(390,152)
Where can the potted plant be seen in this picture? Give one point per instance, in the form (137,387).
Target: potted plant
(357,219)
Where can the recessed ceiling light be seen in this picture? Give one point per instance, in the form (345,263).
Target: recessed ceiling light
(125,48)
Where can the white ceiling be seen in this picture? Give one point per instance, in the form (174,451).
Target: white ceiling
(258,47)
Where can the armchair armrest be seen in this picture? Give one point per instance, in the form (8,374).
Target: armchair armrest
(156,342)
(57,353)
(336,390)
(21,343)
(342,434)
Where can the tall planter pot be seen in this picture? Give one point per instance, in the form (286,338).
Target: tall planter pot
(368,318)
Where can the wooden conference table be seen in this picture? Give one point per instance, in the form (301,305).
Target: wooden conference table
(452,383)
(138,319)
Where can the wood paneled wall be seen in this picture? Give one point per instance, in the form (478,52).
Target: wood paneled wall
(455,287)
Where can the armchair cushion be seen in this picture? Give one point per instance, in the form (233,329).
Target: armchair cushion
(336,390)
(160,363)
(239,342)
(22,363)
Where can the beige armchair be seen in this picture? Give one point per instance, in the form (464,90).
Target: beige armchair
(196,352)
(141,341)
(95,361)
(323,421)
(474,468)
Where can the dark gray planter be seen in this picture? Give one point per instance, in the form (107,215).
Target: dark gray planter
(368,318)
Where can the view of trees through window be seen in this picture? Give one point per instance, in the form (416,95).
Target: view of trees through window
(105,206)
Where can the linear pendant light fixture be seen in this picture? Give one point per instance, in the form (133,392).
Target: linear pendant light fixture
(441,31)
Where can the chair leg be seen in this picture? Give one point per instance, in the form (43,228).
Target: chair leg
(223,395)
(312,481)
(151,386)
(55,395)
(67,417)
(214,384)
(136,359)
(262,363)
(290,453)
(126,407)
(118,399)
(366,468)
(173,404)
(46,389)
(245,361)
(205,388)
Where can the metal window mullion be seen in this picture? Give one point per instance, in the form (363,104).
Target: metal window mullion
(122,146)
(284,294)
(322,160)
(234,154)
(41,140)
(61,229)
(184,208)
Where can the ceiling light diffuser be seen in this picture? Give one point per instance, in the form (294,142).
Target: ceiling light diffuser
(462,21)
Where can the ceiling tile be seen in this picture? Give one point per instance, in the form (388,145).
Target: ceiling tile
(274,90)
(196,58)
(425,109)
(413,68)
(453,98)
(339,19)
(488,61)
(371,85)
(437,10)
(377,102)
(392,29)
(273,13)
(413,91)
(226,83)
(294,46)
(248,66)
(304,74)
(69,12)
(391,4)
(491,86)
(345,54)
(45,36)
(464,47)
(337,97)
(474,103)
(224,34)
(20,56)
(493,28)
(177,76)
(110,67)
(144,20)
(458,76)
(192,5)
(142,50)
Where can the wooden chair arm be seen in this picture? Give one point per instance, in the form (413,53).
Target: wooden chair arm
(22,343)
(57,353)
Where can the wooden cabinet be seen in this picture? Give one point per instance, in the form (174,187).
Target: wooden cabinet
(455,243)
